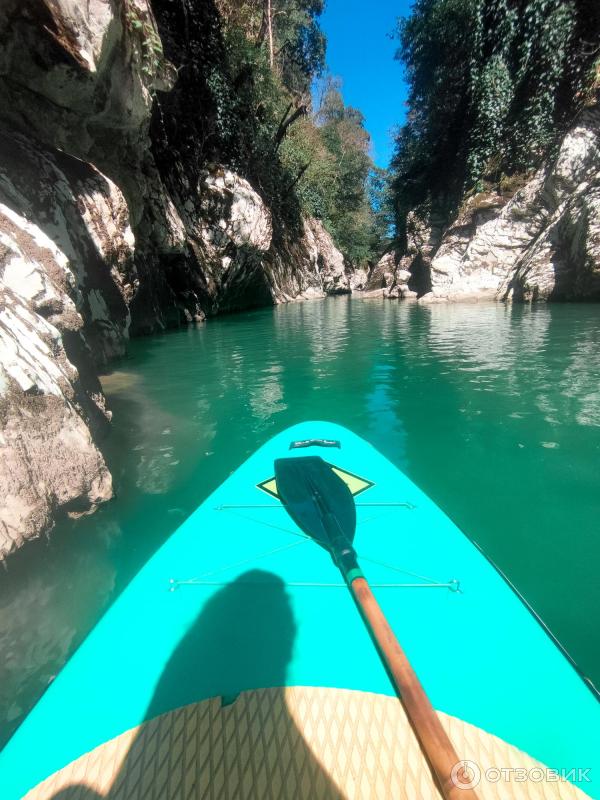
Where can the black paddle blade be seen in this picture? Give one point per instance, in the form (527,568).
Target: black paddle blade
(318,501)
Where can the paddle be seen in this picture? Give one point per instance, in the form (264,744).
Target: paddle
(321,504)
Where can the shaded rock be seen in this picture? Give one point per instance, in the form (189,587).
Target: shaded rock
(383,273)
(75,74)
(423,236)
(391,278)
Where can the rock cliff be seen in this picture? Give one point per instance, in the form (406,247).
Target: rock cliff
(541,243)
(116,218)
(49,410)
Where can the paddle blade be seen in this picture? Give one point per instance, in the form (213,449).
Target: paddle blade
(317,499)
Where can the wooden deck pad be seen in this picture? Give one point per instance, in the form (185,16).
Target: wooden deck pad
(299,743)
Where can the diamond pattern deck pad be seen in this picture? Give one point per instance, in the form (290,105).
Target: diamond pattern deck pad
(297,743)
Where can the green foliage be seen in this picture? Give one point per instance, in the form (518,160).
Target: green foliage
(143,32)
(305,153)
(492,84)
(317,164)
(382,204)
(339,182)
(298,42)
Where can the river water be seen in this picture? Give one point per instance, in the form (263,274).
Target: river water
(493,410)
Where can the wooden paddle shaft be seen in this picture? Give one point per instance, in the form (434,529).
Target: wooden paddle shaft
(425,722)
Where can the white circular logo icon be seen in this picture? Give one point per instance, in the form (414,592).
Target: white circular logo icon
(465,774)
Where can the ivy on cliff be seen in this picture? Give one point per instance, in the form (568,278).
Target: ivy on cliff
(492,85)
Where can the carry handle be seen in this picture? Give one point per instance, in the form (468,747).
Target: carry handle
(315,443)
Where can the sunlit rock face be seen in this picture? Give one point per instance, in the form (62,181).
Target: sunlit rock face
(115,222)
(325,262)
(544,243)
(389,278)
(88,90)
(306,265)
(84,215)
(49,462)
(232,230)
(359,279)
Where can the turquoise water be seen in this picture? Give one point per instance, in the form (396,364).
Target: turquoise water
(493,411)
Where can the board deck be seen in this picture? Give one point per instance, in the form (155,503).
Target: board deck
(238,599)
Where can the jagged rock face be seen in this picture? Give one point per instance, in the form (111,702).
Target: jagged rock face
(80,78)
(86,217)
(232,229)
(75,74)
(359,279)
(544,243)
(48,459)
(325,261)
(305,267)
(93,81)
(475,251)
(85,259)
(564,260)
(389,278)
(383,273)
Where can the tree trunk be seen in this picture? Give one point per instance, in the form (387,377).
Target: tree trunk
(270,31)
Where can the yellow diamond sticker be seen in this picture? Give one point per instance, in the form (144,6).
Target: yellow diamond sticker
(355,483)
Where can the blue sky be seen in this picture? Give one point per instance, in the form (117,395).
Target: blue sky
(361,53)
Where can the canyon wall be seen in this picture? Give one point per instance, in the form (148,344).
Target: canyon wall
(115,222)
(540,241)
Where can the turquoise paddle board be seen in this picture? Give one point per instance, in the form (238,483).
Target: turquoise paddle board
(239,599)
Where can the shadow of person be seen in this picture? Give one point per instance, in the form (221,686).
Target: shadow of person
(237,746)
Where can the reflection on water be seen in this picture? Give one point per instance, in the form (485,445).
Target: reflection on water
(39,626)
(494,410)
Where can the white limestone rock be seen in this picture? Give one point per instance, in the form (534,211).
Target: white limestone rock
(359,280)
(81,220)
(325,261)
(91,75)
(542,243)
(49,462)
(234,212)
(383,274)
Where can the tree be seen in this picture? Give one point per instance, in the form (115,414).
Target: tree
(316,163)
(492,85)
(288,30)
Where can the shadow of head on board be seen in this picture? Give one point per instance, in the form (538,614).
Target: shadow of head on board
(242,639)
